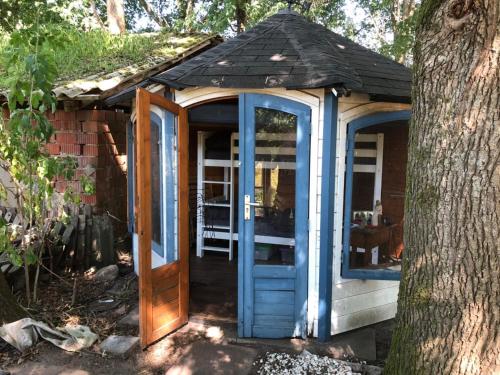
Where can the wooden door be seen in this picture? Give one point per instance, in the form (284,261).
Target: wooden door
(273,216)
(162,215)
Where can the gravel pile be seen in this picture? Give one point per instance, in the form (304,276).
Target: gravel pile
(302,364)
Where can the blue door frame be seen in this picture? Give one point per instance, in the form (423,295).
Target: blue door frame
(262,287)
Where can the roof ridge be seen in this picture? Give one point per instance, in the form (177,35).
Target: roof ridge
(338,55)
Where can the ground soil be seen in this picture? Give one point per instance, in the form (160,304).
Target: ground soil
(206,344)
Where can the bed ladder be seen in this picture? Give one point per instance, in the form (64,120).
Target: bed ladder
(206,231)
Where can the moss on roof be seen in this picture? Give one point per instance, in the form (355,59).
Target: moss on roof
(98,53)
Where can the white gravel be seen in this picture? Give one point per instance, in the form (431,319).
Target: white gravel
(302,364)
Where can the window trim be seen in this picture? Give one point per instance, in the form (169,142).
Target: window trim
(352,127)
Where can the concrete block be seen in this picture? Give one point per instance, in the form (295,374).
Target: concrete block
(119,346)
(131,319)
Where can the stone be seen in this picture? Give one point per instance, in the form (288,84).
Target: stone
(2,372)
(108,273)
(119,346)
(131,319)
(358,344)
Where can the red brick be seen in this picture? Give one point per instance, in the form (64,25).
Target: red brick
(109,115)
(66,138)
(61,186)
(70,149)
(65,116)
(53,149)
(87,160)
(87,138)
(71,125)
(90,150)
(88,199)
(90,126)
(57,125)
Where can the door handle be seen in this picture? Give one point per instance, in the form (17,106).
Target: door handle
(248,204)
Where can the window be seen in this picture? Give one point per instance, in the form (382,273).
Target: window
(375,184)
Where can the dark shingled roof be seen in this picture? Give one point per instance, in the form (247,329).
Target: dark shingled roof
(287,50)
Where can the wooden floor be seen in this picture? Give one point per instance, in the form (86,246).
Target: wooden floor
(213,287)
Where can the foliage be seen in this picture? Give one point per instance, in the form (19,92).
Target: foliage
(31,71)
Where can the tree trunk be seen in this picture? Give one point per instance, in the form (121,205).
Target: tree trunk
(10,311)
(448,319)
(116,16)
(241,15)
(161,21)
(95,13)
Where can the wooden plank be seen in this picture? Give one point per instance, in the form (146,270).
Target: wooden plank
(274,272)
(274,309)
(165,313)
(167,283)
(365,153)
(144,227)
(270,150)
(274,284)
(350,305)
(183,207)
(274,296)
(364,168)
(161,273)
(273,332)
(274,320)
(166,296)
(365,137)
(164,103)
(272,136)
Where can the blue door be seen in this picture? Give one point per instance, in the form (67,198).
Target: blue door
(273,222)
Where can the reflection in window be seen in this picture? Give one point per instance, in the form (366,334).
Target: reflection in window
(377,206)
(275,161)
(156,201)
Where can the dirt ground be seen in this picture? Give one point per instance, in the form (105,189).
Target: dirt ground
(195,349)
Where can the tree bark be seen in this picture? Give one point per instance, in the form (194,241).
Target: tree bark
(116,16)
(10,310)
(448,319)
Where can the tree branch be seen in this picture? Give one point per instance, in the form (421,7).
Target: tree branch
(161,21)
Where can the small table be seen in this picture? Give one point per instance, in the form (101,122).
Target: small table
(367,238)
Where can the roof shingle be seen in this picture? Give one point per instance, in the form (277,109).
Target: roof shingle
(287,50)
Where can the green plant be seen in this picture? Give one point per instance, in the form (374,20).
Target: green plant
(24,133)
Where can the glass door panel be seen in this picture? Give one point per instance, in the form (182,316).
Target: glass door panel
(275,154)
(273,216)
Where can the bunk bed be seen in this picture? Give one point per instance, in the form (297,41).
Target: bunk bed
(217,215)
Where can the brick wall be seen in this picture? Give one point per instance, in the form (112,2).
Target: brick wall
(97,139)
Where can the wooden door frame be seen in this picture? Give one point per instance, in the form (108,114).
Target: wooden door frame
(144,228)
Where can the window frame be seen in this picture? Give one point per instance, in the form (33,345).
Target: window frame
(352,127)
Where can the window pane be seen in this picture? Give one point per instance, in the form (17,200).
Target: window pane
(377,205)
(156,201)
(275,149)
